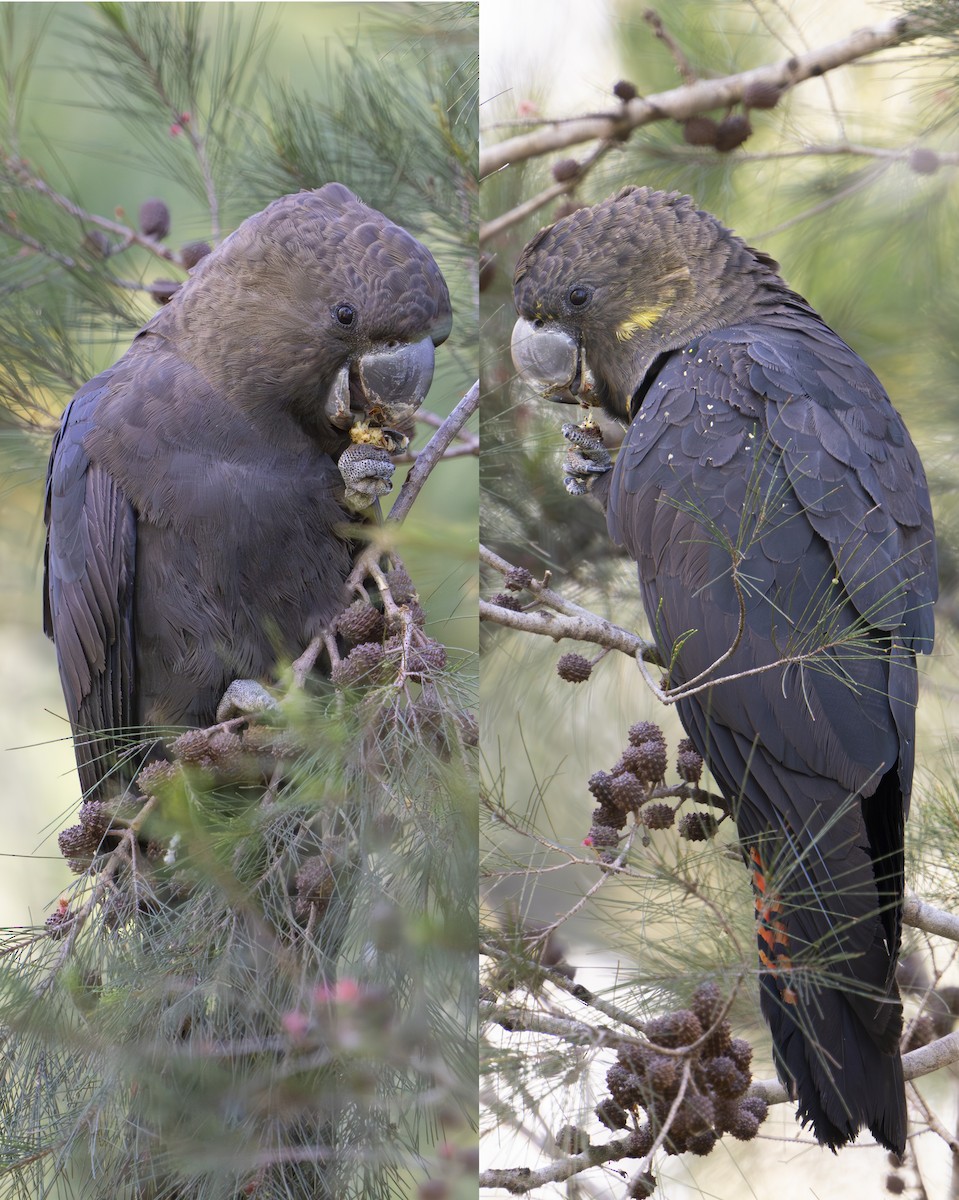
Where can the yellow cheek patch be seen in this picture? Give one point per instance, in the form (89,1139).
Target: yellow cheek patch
(642,318)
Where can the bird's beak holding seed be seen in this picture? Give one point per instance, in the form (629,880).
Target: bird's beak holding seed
(550,361)
(390,381)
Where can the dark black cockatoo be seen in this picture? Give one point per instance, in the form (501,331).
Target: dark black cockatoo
(780,520)
(195,507)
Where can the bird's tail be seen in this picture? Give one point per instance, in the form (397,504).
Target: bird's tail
(834,1014)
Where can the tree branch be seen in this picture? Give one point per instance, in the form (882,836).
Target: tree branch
(566,620)
(702,96)
(920,915)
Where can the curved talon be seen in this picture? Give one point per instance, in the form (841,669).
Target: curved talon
(580,462)
(575,485)
(586,456)
(588,434)
(244,698)
(367,472)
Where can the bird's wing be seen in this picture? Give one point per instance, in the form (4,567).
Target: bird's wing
(852,465)
(88,591)
(832,521)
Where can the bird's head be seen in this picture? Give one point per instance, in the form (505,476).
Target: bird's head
(318,304)
(606,290)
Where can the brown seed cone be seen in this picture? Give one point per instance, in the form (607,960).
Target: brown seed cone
(364,663)
(664,1073)
(635,1058)
(625,91)
(565,208)
(719,1040)
(732,132)
(96,819)
(757,1106)
(359,623)
(505,600)
(469,727)
(163,290)
(641,1186)
(78,846)
(922,1031)
(702,1143)
(59,921)
(707,1003)
(225,749)
(401,586)
(761,94)
(571,1139)
(689,765)
(603,837)
(194,252)
(741,1052)
(641,1141)
(645,731)
(628,792)
(924,161)
(680,1028)
(625,1087)
(612,817)
(192,747)
(517,578)
(600,783)
(745,1126)
(725,1078)
(574,668)
(697,826)
(698,1112)
(565,169)
(651,761)
(434,1189)
(154,218)
(425,659)
(657,816)
(152,779)
(314,883)
(610,1114)
(700,131)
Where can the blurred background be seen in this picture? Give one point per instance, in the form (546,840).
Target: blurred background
(850,183)
(277,98)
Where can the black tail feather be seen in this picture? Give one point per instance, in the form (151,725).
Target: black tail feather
(831,1064)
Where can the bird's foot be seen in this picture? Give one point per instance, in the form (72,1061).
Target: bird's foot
(245,698)
(367,472)
(586,457)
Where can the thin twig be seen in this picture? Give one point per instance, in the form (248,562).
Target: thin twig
(490,229)
(564,620)
(26,178)
(655,21)
(431,454)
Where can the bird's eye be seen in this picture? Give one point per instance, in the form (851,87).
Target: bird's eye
(345,314)
(578,296)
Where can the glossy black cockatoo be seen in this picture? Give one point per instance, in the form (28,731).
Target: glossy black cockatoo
(780,520)
(198,491)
